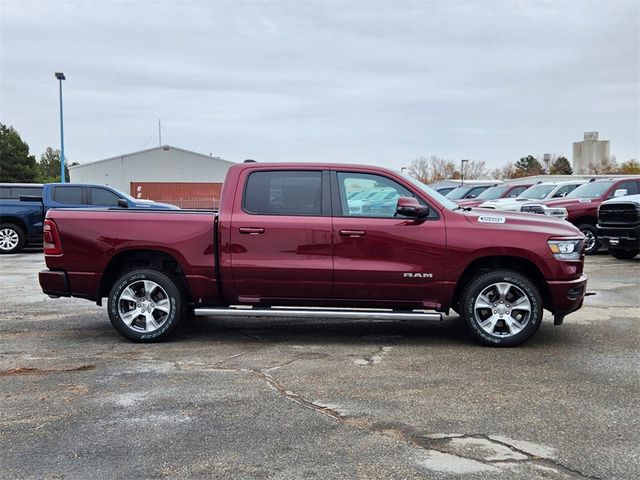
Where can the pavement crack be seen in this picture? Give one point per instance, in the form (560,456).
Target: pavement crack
(40,371)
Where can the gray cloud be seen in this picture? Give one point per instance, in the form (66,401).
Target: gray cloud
(374,82)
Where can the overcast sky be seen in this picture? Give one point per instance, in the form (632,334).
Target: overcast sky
(363,82)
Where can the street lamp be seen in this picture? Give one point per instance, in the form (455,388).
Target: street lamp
(462,162)
(60,76)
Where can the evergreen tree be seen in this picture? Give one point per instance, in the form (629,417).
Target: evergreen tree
(16,165)
(528,166)
(561,166)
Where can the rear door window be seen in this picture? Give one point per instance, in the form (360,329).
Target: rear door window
(284,192)
(68,195)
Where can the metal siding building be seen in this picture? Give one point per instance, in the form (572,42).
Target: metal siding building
(166,166)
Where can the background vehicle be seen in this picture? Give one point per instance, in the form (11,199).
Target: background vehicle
(21,220)
(582,204)
(287,235)
(494,193)
(539,191)
(468,191)
(619,226)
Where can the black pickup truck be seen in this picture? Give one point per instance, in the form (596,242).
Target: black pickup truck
(619,226)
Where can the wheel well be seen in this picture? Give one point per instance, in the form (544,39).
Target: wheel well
(127,261)
(486,264)
(588,220)
(16,221)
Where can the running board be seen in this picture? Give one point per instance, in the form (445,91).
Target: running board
(317,313)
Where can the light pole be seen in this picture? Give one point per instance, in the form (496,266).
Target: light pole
(60,76)
(462,162)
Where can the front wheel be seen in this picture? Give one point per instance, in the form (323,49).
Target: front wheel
(145,305)
(624,254)
(501,308)
(591,242)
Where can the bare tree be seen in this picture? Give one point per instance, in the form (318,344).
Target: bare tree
(475,169)
(432,169)
(606,166)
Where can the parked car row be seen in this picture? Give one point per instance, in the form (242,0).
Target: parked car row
(23,207)
(578,202)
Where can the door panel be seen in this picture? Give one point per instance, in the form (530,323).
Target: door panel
(280,237)
(392,261)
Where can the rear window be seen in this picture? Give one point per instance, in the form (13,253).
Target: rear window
(284,193)
(10,192)
(68,195)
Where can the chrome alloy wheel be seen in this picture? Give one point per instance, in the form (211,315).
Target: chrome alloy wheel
(502,309)
(8,239)
(590,240)
(144,306)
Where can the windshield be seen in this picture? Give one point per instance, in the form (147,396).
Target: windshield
(458,193)
(493,193)
(590,190)
(537,192)
(441,199)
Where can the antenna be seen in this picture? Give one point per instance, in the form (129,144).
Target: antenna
(159,133)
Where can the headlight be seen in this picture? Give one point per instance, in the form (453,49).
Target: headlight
(566,249)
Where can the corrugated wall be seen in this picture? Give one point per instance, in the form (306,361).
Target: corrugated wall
(183,194)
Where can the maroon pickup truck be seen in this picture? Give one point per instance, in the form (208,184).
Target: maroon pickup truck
(288,241)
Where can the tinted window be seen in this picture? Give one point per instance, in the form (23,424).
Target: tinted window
(379,199)
(564,191)
(104,197)
(474,192)
(630,187)
(15,192)
(284,193)
(514,192)
(69,195)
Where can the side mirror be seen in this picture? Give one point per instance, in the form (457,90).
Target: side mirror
(122,203)
(410,207)
(621,192)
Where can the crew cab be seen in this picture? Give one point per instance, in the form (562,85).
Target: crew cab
(619,226)
(286,243)
(23,206)
(580,207)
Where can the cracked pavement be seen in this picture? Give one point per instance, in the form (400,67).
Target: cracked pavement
(290,399)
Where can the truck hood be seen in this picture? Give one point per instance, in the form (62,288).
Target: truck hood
(525,222)
(565,202)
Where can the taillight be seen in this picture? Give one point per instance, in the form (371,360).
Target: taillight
(52,245)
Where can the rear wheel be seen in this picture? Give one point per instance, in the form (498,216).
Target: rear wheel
(502,308)
(624,254)
(12,238)
(146,305)
(591,243)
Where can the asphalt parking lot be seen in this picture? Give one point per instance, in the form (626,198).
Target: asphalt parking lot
(292,399)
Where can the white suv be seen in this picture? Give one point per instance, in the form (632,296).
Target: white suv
(539,191)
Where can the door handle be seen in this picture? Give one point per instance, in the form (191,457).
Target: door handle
(352,233)
(252,230)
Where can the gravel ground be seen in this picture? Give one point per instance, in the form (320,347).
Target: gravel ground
(292,399)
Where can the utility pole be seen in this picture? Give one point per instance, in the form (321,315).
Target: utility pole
(462,162)
(60,76)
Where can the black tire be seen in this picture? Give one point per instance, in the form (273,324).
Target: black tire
(592,243)
(521,290)
(164,304)
(624,254)
(12,238)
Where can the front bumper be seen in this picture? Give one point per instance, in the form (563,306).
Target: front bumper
(566,296)
(622,238)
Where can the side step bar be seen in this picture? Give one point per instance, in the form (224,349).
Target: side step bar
(317,313)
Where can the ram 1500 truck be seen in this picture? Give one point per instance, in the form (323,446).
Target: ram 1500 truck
(580,207)
(23,206)
(285,242)
(619,226)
